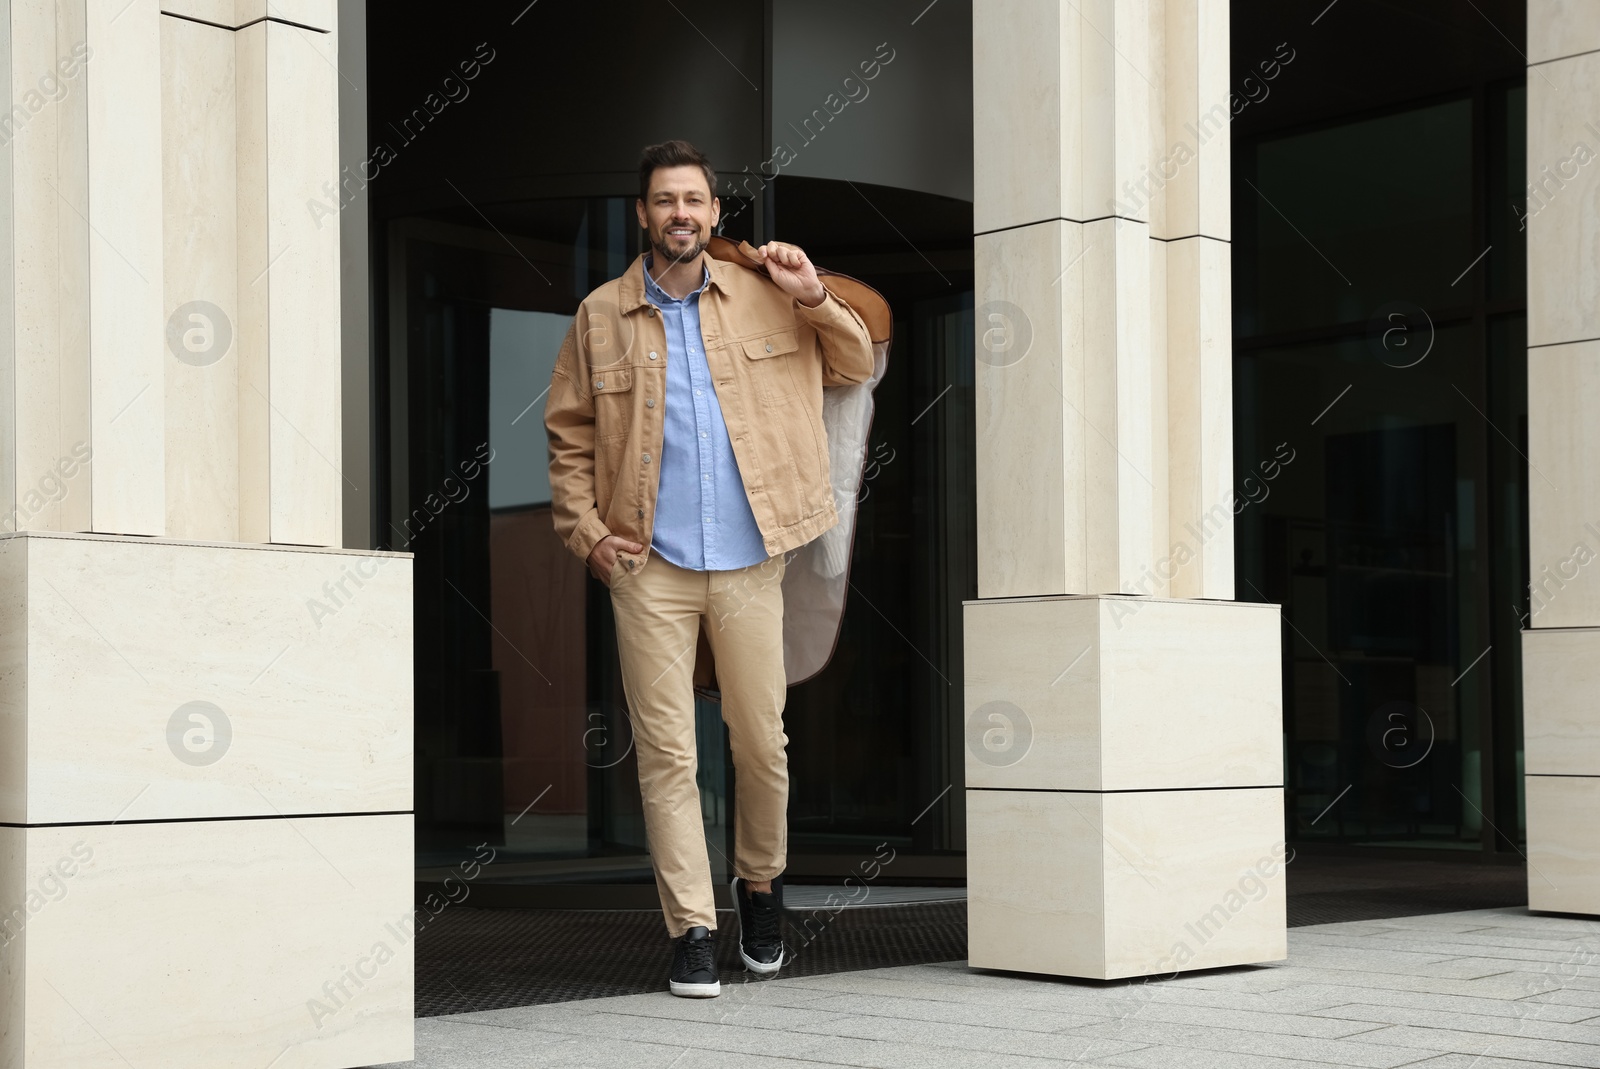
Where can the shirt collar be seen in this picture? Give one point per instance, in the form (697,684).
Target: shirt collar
(656,293)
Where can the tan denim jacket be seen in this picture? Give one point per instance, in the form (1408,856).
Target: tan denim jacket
(769,358)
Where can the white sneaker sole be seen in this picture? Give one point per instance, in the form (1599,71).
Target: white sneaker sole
(711,990)
(760,968)
(763,968)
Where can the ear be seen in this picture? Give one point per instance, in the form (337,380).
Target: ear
(716,211)
(638,208)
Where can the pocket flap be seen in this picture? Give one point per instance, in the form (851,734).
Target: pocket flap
(613,379)
(776,344)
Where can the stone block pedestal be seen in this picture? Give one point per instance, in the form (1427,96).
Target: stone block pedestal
(1560,679)
(1124,785)
(205,786)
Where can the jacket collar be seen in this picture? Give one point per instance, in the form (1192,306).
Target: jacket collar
(631,296)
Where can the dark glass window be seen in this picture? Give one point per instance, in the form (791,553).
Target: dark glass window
(1379,340)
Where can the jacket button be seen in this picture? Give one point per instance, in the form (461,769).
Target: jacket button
(599,384)
(654,356)
(647,458)
(649,402)
(769,347)
(630,566)
(652,311)
(641,514)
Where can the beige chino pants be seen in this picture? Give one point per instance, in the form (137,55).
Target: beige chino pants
(658,611)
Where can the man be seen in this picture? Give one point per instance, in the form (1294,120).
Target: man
(687,456)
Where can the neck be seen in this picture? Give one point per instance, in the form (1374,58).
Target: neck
(676,279)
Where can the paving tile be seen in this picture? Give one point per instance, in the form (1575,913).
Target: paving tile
(878,1054)
(750,1014)
(1190,1058)
(1356,959)
(1528,1025)
(1473,1061)
(1314,997)
(1038,994)
(436,1037)
(1501,986)
(1539,981)
(1567,996)
(698,1035)
(1449,1041)
(1018,1018)
(1461,947)
(587,1052)
(1342,1052)
(551,1052)
(1265,1022)
(1294,999)
(1067,1047)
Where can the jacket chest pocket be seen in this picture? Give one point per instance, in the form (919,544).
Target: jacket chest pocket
(769,356)
(612,390)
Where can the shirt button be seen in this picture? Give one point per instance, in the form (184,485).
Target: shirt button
(649,402)
(653,356)
(697,393)
(702,434)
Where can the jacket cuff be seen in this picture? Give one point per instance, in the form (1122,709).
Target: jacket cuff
(831,310)
(590,531)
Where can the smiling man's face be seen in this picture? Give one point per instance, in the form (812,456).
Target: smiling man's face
(679,214)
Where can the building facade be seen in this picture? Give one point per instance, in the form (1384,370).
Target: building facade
(1200,309)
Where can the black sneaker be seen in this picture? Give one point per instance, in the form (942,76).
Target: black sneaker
(760,927)
(694,964)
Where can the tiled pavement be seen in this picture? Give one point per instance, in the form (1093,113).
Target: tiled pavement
(1487,989)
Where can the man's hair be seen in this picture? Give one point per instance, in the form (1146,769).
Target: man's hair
(673,154)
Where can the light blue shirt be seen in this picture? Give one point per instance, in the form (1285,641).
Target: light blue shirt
(703,517)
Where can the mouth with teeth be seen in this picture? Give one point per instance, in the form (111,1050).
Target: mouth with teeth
(679,242)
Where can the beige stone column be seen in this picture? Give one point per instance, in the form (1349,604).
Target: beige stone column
(1561,646)
(205,705)
(1124,769)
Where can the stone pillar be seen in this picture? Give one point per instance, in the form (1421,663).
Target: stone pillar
(205,704)
(1124,770)
(1561,645)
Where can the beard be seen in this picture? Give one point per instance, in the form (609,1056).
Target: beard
(667,254)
